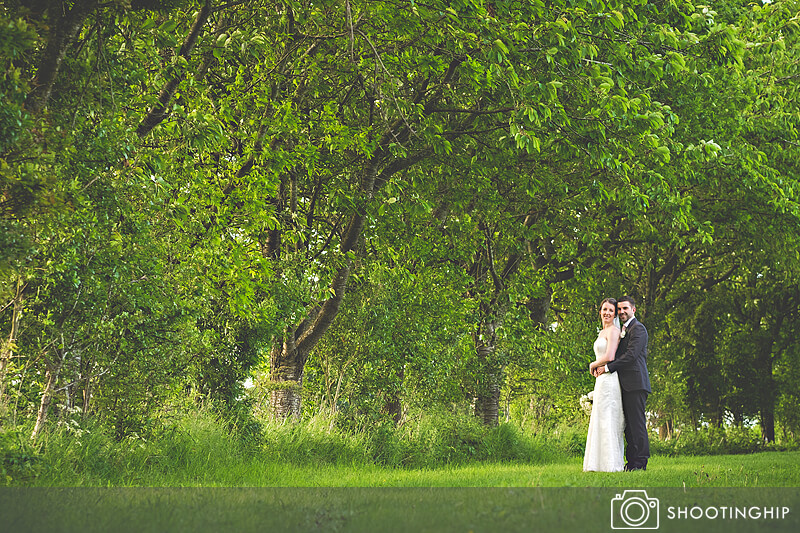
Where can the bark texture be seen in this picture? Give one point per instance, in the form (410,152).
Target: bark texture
(66,27)
(487,401)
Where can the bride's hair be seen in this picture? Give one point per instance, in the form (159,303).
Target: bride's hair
(611,301)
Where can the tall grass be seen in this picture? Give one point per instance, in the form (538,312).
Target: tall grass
(200,447)
(428,440)
(440,449)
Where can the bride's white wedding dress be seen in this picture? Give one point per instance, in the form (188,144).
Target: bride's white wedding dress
(605,446)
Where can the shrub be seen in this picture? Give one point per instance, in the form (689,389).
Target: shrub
(445,438)
(314,440)
(714,440)
(17,457)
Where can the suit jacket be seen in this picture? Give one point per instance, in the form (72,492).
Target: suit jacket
(630,359)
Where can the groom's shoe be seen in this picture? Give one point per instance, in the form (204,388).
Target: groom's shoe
(629,468)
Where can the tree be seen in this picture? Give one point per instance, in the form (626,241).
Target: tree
(221,176)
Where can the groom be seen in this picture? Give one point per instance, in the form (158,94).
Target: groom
(631,363)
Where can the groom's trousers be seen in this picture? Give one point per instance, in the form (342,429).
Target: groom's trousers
(637,449)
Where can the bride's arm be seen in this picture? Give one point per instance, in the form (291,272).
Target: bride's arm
(611,349)
(613,344)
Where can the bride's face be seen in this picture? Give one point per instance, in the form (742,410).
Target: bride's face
(607,313)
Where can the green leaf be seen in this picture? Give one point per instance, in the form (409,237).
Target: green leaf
(662,154)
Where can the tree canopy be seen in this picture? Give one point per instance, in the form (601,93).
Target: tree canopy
(372,206)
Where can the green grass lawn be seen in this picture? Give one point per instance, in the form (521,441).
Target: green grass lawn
(770,469)
(268,495)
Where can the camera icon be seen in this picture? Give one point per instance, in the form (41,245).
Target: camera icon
(633,509)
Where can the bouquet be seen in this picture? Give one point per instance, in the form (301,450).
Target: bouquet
(586,402)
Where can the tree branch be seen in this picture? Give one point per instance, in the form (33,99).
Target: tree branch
(159,112)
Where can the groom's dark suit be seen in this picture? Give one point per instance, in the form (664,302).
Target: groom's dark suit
(630,362)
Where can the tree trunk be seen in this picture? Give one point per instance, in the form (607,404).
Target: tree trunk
(393,406)
(492,313)
(7,349)
(47,396)
(767,388)
(768,423)
(487,400)
(286,374)
(487,404)
(539,308)
(88,389)
(764,376)
(288,357)
(666,430)
(65,29)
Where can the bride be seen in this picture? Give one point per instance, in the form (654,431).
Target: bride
(604,442)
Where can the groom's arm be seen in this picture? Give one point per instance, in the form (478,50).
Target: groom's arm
(636,347)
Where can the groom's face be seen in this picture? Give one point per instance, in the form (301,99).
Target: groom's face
(626,311)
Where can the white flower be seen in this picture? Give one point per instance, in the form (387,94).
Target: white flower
(586,402)
(622,333)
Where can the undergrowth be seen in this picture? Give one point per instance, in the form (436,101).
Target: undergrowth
(202,446)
